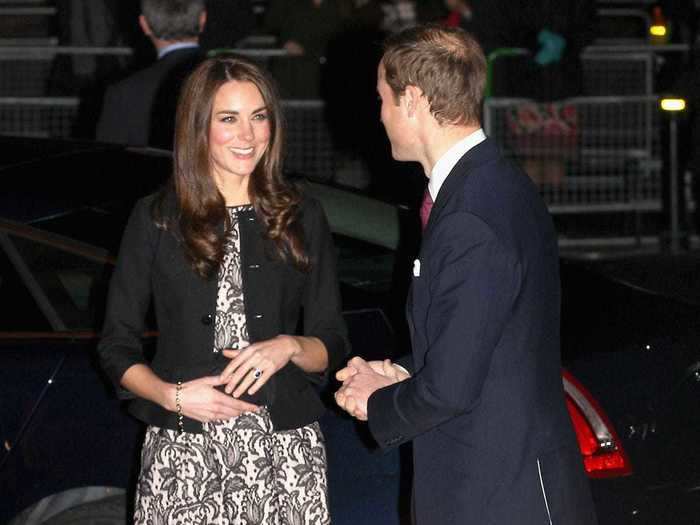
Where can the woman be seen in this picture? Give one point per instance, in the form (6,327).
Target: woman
(235,259)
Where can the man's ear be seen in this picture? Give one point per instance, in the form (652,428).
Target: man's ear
(202,20)
(143,23)
(413,97)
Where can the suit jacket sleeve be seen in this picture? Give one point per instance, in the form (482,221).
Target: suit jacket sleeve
(129,296)
(321,300)
(473,283)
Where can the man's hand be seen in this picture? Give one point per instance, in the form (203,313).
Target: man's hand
(385,368)
(360,380)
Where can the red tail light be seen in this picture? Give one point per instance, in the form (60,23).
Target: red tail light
(603,455)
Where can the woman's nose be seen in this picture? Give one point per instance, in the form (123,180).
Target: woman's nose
(245,131)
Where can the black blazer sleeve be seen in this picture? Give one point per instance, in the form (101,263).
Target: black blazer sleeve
(129,296)
(473,283)
(321,296)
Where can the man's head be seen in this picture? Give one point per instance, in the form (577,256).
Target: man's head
(446,64)
(172,20)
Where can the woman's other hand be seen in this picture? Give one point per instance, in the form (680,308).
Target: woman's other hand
(251,367)
(199,400)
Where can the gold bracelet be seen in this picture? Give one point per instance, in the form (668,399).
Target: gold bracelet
(178,406)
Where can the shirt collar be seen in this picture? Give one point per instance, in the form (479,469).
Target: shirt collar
(175,47)
(444,165)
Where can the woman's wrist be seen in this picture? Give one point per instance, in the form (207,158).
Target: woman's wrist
(168,397)
(295,346)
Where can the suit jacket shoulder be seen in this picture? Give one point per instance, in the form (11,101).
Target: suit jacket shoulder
(132,104)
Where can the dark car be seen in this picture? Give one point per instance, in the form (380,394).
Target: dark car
(631,352)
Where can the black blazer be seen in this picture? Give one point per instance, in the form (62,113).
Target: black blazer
(140,109)
(278,299)
(492,440)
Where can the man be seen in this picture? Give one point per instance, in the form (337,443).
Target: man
(484,402)
(140,110)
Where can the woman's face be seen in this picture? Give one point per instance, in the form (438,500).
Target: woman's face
(239,132)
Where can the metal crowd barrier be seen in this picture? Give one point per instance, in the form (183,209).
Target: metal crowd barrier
(309,147)
(618,74)
(587,155)
(26,71)
(38,116)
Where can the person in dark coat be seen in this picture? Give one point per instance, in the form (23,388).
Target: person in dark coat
(228,23)
(481,395)
(303,28)
(139,110)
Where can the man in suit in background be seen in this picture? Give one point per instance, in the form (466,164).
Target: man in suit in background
(481,397)
(140,110)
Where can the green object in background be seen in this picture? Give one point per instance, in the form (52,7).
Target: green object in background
(495,55)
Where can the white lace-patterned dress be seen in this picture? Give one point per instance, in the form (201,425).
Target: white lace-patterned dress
(238,471)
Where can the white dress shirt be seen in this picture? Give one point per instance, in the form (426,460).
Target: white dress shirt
(444,165)
(174,47)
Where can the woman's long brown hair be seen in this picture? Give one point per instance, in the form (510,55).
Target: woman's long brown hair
(202,209)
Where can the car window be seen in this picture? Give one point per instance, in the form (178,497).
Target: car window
(364,265)
(100,227)
(75,286)
(20,312)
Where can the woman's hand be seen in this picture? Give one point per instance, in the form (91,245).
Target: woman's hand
(199,400)
(251,367)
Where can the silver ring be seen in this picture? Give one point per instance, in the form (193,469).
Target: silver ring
(257,373)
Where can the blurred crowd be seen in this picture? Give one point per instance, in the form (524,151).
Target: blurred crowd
(333,46)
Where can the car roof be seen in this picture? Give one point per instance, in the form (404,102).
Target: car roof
(42,178)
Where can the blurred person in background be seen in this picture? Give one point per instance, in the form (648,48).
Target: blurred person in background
(139,110)
(398,15)
(459,14)
(240,266)
(303,28)
(228,23)
(351,99)
(85,23)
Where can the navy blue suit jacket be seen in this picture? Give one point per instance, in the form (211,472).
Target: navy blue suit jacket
(492,440)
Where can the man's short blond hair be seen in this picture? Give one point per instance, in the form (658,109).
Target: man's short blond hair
(447,64)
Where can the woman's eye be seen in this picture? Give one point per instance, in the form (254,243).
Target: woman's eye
(260,116)
(228,118)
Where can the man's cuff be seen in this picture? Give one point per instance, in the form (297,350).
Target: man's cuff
(402,369)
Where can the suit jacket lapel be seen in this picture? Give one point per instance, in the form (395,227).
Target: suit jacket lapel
(481,153)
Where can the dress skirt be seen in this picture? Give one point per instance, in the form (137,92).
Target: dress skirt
(237,472)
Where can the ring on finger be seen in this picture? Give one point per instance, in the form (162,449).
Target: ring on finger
(257,373)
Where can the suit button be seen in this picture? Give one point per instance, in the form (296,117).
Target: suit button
(207,319)
(253,266)
(258,316)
